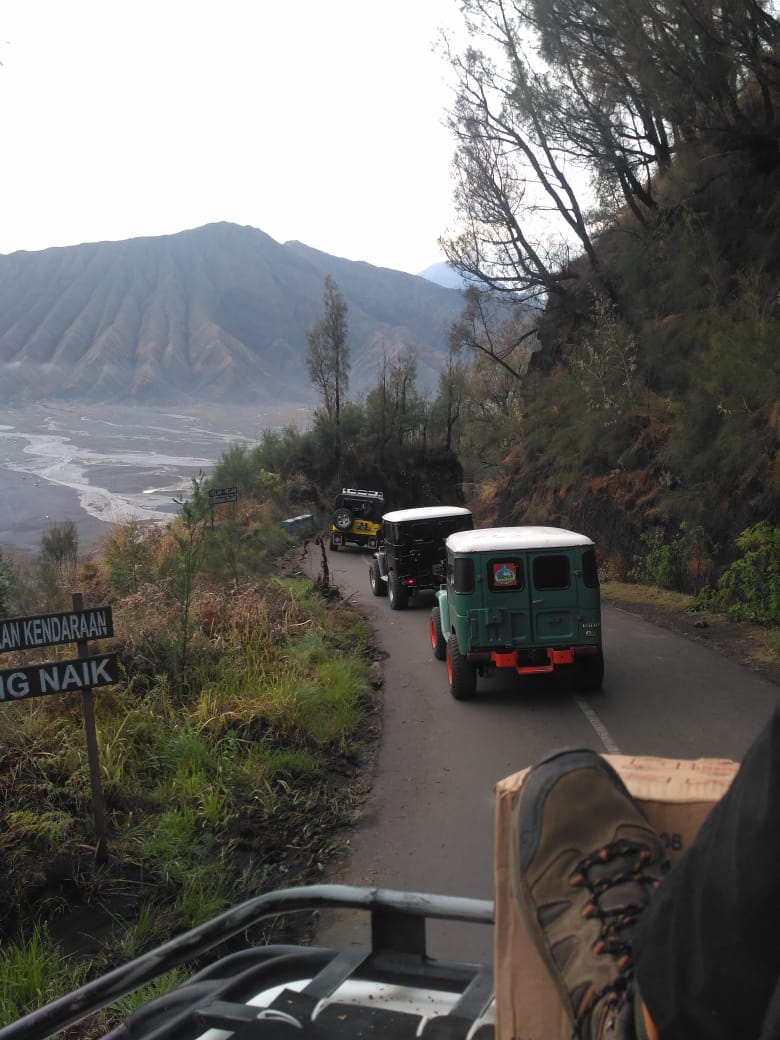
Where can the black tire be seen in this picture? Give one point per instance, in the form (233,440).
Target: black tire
(438,642)
(378,587)
(399,597)
(342,519)
(589,672)
(462,675)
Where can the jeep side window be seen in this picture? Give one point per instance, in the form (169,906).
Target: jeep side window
(505,574)
(463,572)
(590,572)
(551,572)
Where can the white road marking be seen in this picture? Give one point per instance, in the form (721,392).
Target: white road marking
(601,730)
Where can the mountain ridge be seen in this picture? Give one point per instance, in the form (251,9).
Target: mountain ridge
(218,312)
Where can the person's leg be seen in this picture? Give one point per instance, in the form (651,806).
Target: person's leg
(770,1028)
(585,863)
(707,950)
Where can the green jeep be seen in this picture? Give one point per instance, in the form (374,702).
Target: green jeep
(525,598)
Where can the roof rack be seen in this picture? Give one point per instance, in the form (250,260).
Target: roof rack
(230,993)
(366,494)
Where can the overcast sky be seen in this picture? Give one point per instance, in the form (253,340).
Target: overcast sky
(316,120)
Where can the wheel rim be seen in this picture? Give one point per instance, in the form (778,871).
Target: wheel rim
(343,519)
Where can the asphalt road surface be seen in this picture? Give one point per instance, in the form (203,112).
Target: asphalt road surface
(428,823)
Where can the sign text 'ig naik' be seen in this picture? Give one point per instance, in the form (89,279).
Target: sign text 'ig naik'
(16,684)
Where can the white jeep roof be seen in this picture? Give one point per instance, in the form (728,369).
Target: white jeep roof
(504,539)
(425,513)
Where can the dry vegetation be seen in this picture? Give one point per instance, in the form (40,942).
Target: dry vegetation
(232,753)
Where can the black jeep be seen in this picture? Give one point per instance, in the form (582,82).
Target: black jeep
(411,553)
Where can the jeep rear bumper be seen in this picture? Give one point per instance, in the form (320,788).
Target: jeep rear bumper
(347,538)
(532,662)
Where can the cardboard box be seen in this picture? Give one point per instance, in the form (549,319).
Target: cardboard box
(675,795)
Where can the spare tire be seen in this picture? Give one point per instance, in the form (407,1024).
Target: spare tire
(342,518)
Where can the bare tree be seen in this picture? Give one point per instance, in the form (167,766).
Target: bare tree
(561,91)
(328,361)
(487,328)
(514,189)
(448,405)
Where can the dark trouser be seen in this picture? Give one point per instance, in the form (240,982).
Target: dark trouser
(707,949)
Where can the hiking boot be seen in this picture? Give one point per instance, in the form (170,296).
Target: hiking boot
(585,863)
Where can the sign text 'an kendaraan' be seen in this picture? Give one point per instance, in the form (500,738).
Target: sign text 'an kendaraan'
(24,633)
(16,684)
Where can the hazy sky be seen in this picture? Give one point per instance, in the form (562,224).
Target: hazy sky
(316,120)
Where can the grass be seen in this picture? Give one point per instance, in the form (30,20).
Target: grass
(34,972)
(652,595)
(755,646)
(219,783)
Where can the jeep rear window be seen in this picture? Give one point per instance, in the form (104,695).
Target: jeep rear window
(590,572)
(463,573)
(407,534)
(420,533)
(551,572)
(505,574)
(445,528)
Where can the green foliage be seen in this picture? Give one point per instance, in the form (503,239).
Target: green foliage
(681,563)
(128,557)
(672,380)
(46,830)
(606,365)
(395,440)
(60,548)
(262,472)
(749,589)
(33,973)
(265,543)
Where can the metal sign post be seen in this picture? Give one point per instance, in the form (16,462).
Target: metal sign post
(90,730)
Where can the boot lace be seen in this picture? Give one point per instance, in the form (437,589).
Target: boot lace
(619,888)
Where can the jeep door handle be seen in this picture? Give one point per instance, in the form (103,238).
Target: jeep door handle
(536,602)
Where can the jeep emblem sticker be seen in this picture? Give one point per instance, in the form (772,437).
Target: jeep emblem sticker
(505,574)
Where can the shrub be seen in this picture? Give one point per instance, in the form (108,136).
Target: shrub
(749,589)
(682,564)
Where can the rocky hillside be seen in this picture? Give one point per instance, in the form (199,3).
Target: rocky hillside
(219,313)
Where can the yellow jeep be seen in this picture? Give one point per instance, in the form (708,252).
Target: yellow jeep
(357,516)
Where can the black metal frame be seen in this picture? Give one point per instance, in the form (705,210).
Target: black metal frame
(216,997)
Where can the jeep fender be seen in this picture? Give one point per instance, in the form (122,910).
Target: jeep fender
(381,559)
(441,600)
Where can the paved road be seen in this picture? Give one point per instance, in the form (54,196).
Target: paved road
(428,824)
